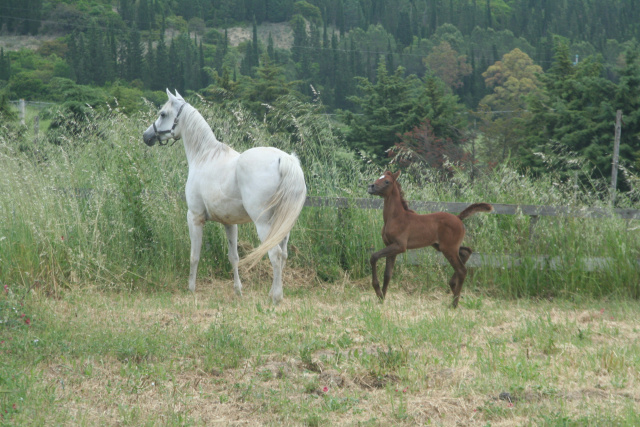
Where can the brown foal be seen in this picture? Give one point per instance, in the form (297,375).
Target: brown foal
(405,229)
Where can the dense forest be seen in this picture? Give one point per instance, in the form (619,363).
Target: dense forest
(421,83)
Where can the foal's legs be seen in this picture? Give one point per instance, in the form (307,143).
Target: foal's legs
(459,273)
(390,251)
(464,252)
(232,240)
(388,272)
(195,233)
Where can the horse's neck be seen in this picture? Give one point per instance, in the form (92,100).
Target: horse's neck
(392,205)
(199,141)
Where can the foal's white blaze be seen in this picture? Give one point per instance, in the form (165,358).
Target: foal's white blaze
(382,177)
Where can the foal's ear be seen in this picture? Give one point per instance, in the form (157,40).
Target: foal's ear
(395,175)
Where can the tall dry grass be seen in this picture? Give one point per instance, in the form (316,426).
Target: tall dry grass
(92,204)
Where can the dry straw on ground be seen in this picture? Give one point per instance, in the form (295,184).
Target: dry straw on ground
(354,361)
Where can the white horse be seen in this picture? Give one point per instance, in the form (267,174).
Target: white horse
(263,184)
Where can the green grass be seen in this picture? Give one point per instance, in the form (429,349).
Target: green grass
(94,253)
(325,356)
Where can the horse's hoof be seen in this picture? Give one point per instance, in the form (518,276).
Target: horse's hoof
(276,299)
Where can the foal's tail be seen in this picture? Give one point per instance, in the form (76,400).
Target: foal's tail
(284,206)
(474,209)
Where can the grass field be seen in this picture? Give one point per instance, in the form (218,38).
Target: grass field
(330,354)
(97,327)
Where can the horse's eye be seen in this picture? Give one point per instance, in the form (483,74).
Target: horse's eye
(386,181)
(162,114)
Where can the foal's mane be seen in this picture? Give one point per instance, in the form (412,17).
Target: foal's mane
(204,144)
(403,201)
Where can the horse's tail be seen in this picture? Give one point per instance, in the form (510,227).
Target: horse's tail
(285,206)
(474,209)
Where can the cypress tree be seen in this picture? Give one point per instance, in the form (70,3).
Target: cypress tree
(134,59)
(162,68)
(95,55)
(149,64)
(143,18)
(204,78)
(5,66)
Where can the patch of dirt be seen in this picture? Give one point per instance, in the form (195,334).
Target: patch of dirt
(281,33)
(372,381)
(23,42)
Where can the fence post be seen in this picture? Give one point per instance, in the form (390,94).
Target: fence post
(21,107)
(616,150)
(533,220)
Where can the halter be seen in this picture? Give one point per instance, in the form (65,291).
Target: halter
(162,132)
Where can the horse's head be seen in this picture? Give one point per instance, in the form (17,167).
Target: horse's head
(167,124)
(383,185)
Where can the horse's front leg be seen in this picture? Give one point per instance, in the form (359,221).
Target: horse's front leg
(389,251)
(232,240)
(388,272)
(374,275)
(196,224)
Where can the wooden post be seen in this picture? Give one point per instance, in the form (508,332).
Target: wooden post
(533,220)
(21,107)
(616,151)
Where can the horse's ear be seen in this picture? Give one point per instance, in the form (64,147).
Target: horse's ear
(178,96)
(170,95)
(395,175)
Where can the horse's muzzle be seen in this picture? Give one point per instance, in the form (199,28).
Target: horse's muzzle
(150,140)
(372,189)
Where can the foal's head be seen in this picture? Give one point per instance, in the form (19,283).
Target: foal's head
(383,185)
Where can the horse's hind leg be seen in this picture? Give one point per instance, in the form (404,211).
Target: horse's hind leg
(232,240)
(459,273)
(277,256)
(195,233)
(285,251)
(464,252)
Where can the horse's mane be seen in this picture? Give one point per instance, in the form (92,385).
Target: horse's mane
(403,201)
(204,145)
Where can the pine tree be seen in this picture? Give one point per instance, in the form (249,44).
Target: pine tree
(384,112)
